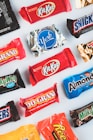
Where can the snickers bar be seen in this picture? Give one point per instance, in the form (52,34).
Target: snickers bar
(81,25)
(8,113)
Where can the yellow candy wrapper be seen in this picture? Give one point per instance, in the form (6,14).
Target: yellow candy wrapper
(27,132)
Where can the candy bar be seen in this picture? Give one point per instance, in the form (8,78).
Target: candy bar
(56,127)
(8,21)
(76,84)
(8,113)
(82,115)
(39,100)
(11,82)
(26,132)
(83,3)
(11,51)
(81,25)
(51,66)
(86,50)
(44,9)
(42,40)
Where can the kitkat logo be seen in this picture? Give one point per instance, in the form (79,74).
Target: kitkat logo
(45,9)
(50,67)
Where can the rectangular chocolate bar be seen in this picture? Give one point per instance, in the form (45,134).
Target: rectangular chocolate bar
(82,115)
(8,113)
(83,3)
(8,21)
(81,25)
(51,66)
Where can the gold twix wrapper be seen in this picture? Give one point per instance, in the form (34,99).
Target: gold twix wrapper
(83,3)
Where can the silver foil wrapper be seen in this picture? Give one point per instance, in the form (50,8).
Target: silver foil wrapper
(42,40)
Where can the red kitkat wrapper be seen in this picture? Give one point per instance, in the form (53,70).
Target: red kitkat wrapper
(11,51)
(52,65)
(39,100)
(44,9)
(56,127)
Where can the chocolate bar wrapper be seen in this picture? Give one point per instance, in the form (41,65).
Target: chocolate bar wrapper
(83,3)
(56,127)
(81,25)
(8,21)
(11,82)
(25,132)
(78,83)
(86,51)
(8,113)
(42,40)
(44,9)
(82,115)
(50,66)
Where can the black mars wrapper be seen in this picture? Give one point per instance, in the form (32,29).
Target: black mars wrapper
(82,115)
(8,113)
(11,82)
(81,25)
(8,21)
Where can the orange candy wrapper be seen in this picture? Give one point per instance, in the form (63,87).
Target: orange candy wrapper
(27,132)
(56,127)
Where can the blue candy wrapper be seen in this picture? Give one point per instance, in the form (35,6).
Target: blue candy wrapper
(76,84)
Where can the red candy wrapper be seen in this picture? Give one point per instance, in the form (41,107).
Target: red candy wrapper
(52,65)
(39,100)
(56,127)
(13,50)
(44,9)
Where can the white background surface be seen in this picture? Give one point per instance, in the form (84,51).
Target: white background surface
(83,132)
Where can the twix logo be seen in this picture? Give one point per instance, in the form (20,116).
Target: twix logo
(8,54)
(59,132)
(40,99)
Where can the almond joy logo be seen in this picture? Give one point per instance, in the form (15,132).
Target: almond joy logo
(46,9)
(50,67)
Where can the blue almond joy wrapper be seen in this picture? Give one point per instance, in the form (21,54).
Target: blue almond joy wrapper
(76,84)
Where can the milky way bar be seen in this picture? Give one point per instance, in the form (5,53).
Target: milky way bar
(44,9)
(51,66)
(82,115)
(11,82)
(8,113)
(83,3)
(42,40)
(8,21)
(81,25)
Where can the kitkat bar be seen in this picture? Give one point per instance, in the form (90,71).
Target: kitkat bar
(11,51)
(44,9)
(51,66)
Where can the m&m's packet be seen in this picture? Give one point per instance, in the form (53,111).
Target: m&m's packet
(76,84)
(81,25)
(39,100)
(8,113)
(82,115)
(42,40)
(11,51)
(44,9)
(8,20)
(56,127)
(51,66)
(86,51)
(83,3)
(11,82)
(25,132)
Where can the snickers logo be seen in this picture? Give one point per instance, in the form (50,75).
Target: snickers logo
(5,114)
(83,22)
